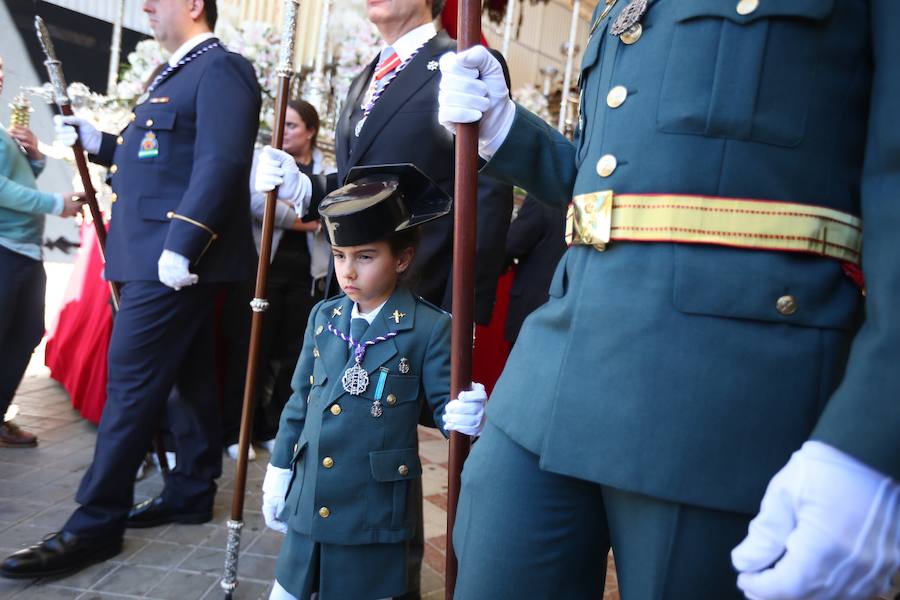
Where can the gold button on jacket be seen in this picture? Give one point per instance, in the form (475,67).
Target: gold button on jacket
(335,409)
(786,305)
(606,165)
(327,462)
(324,512)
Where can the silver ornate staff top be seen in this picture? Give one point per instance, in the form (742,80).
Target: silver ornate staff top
(54,67)
(286,59)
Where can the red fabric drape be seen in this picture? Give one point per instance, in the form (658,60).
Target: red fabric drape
(78,341)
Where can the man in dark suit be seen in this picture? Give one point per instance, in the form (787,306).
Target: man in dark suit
(535,243)
(180,228)
(388,117)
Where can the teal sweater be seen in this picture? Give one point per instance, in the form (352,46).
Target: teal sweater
(22,206)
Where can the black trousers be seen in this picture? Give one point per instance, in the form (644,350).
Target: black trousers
(22,286)
(161,339)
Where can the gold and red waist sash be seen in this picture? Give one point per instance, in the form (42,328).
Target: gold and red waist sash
(598,218)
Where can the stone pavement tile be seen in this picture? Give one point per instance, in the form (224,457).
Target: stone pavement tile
(40,456)
(436,451)
(91,595)
(130,546)
(17,510)
(429,433)
(11,587)
(187,534)
(255,567)
(439,541)
(180,585)
(268,543)
(246,590)
(435,520)
(434,479)
(155,553)
(21,488)
(56,493)
(206,560)
(46,592)
(439,500)
(20,536)
(84,579)
(10,470)
(129,579)
(432,583)
(52,518)
(435,558)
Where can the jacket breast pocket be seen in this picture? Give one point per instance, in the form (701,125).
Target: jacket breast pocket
(746,77)
(155,127)
(392,470)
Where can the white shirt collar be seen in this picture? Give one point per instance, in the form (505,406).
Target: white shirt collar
(369,316)
(412,40)
(188,46)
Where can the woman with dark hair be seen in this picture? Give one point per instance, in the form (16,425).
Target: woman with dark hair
(299,265)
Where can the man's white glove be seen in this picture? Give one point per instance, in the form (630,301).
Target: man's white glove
(173,270)
(274,488)
(474,88)
(466,413)
(828,529)
(67,135)
(276,168)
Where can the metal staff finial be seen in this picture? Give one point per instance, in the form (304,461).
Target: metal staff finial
(288,35)
(54,67)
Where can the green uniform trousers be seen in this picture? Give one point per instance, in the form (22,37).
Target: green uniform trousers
(524,533)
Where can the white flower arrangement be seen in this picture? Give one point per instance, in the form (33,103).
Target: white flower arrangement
(530,96)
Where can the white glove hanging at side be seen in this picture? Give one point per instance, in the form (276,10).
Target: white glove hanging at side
(276,168)
(67,135)
(474,88)
(274,487)
(466,413)
(828,529)
(173,270)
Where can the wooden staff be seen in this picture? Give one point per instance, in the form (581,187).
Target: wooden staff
(58,81)
(259,305)
(464,232)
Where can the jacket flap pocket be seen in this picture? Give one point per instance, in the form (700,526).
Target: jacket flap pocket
(395,465)
(779,287)
(154,208)
(816,10)
(403,388)
(156,119)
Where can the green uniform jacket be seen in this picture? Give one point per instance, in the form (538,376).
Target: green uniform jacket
(666,369)
(352,470)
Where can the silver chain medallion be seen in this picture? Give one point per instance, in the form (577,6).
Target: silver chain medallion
(355,380)
(377,410)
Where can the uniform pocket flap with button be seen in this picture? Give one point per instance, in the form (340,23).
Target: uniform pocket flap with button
(154,208)
(320,373)
(780,287)
(802,9)
(395,465)
(156,119)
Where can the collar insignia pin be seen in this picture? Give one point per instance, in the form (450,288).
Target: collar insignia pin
(432,65)
(337,311)
(397,315)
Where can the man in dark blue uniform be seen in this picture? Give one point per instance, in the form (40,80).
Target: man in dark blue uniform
(180,227)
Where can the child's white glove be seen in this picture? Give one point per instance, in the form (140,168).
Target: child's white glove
(87,133)
(466,413)
(828,529)
(274,489)
(474,88)
(276,168)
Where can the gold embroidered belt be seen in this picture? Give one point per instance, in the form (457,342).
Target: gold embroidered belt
(598,218)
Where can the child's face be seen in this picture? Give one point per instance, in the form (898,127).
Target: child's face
(368,273)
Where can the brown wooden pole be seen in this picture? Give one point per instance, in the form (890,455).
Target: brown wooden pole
(259,305)
(464,235)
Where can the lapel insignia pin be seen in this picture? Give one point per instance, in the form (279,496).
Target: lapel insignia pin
(337,311)
(404,366)
(397,315)
(432,65)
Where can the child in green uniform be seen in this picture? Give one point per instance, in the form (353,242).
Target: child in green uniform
(341,482)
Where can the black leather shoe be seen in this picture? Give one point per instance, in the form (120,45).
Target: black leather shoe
(155,512)
(60,553)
